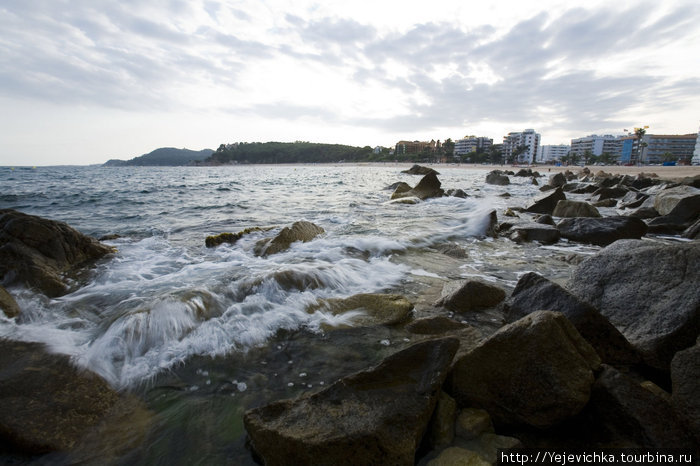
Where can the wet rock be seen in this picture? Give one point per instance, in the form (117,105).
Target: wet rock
(534,181)
(8,305)
(605,203)
(557,180)
(685,379)
(643,213)
(567,208)
(457,456)
(299,231)
(580,188)
(601,231)
(453,250)
(419,170)
(38,252)
(492,224)
(693,231)
(427,187)
(632,200)
(457,193)
(524,172)
(648,291)
(546,204)
(681,200)
(540,232)
(545,220)
(441,431)
(230,238)
(472,423)
(377,416)
(371,308)
(627,411)
(534,292)
(47,404)
(497,177)
(400,187)
(471,295)
(536,371)
(434,325)
(609,193)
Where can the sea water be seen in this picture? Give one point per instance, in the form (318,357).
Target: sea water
(202,334)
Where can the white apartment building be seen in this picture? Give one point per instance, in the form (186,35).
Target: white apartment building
(696,154)
(528,138)
(470,144)
(550,153)
(596,144)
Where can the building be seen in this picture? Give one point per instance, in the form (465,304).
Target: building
(416,147)
(470,144)
(696,154)
(596,145)
(552,153)
(515,140)
(668,148)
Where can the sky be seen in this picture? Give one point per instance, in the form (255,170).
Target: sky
(84,81)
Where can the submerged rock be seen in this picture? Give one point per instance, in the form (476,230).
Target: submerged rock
(649,291)
(377,416)
(534,292)
(38,252)
(374,309)
(419,170)
(427,187)
(230,238)
(536,371)
(497,177)
(299,231)
(601,231)
(471,295)
(8,305)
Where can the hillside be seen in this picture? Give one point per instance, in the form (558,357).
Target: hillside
(163,157)
(287,152)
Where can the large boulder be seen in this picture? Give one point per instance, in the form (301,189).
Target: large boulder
(546,204)
(299,231)
(39,253)
(369,308)
(427,187)
(632,415)
(649,291)
(47,403)
(377,416)
(567,208)
(614,192)
(685,379)
(534,231)
(8,305)
(677,200)
(497,177)
(601,231)
(534,292)
(536,371)
(556,180)
(419,170)
(470,295)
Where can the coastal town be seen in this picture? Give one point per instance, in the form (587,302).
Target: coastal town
(636,147)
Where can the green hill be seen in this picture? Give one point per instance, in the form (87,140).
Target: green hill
(163,157)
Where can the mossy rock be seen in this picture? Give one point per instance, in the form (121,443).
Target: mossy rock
(376,309)
(230,238)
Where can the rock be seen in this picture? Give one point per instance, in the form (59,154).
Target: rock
(371,309)
(441,431)
(230,238)
(471,295)
(540,232)
(534,292)
(434,325)
(609,193)
(632,200)
(693,231)
(299,231)
(38,252)
(536,371)
(685,379)
(545,219)
(419,170)
(400,187)
(497,177)
(488,446)
(47,403)
(557,180)
(472,423)
(566,208)
(580,188)
(457,193)
(524,172)
(533,181)
(648,291)
(681,200)
(457,456)
(453,250)
(601,231)
(377,416)
(605,203)
(8,305)
(427,187)
(643,213)
(627,411)
(546,204)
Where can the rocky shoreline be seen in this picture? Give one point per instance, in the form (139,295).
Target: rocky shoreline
(608,360)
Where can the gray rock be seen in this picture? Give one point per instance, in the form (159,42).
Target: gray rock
(545,219)
(8,305)
(38,252)
(540,232)
(601,231)
(471,295)
(377,416)
(567,208)
(299,231)
(372,308)
(609,193)
(649,291)
(437,325)
(674,200)
(497,177)
(419,170)
(427,187)
(693,231)
(441,431)
(534,292)
(633,414)
(546,204)
(556,180)
(633,199)
(536,371)
(685,379)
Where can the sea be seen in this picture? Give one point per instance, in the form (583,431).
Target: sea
(199,335)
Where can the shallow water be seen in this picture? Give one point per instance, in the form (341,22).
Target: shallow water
(203,334)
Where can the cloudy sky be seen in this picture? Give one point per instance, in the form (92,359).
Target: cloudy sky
(83,81)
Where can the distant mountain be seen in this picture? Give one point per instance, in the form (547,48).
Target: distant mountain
(163,157)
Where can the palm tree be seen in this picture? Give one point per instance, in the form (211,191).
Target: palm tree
(640,132)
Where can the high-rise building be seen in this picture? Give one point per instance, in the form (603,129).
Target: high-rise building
(515,140)
(668,147)
(552,153)
(470,144)
(597,145)
(696,154)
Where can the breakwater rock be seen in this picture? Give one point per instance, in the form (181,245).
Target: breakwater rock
(37,252)
(299,231)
